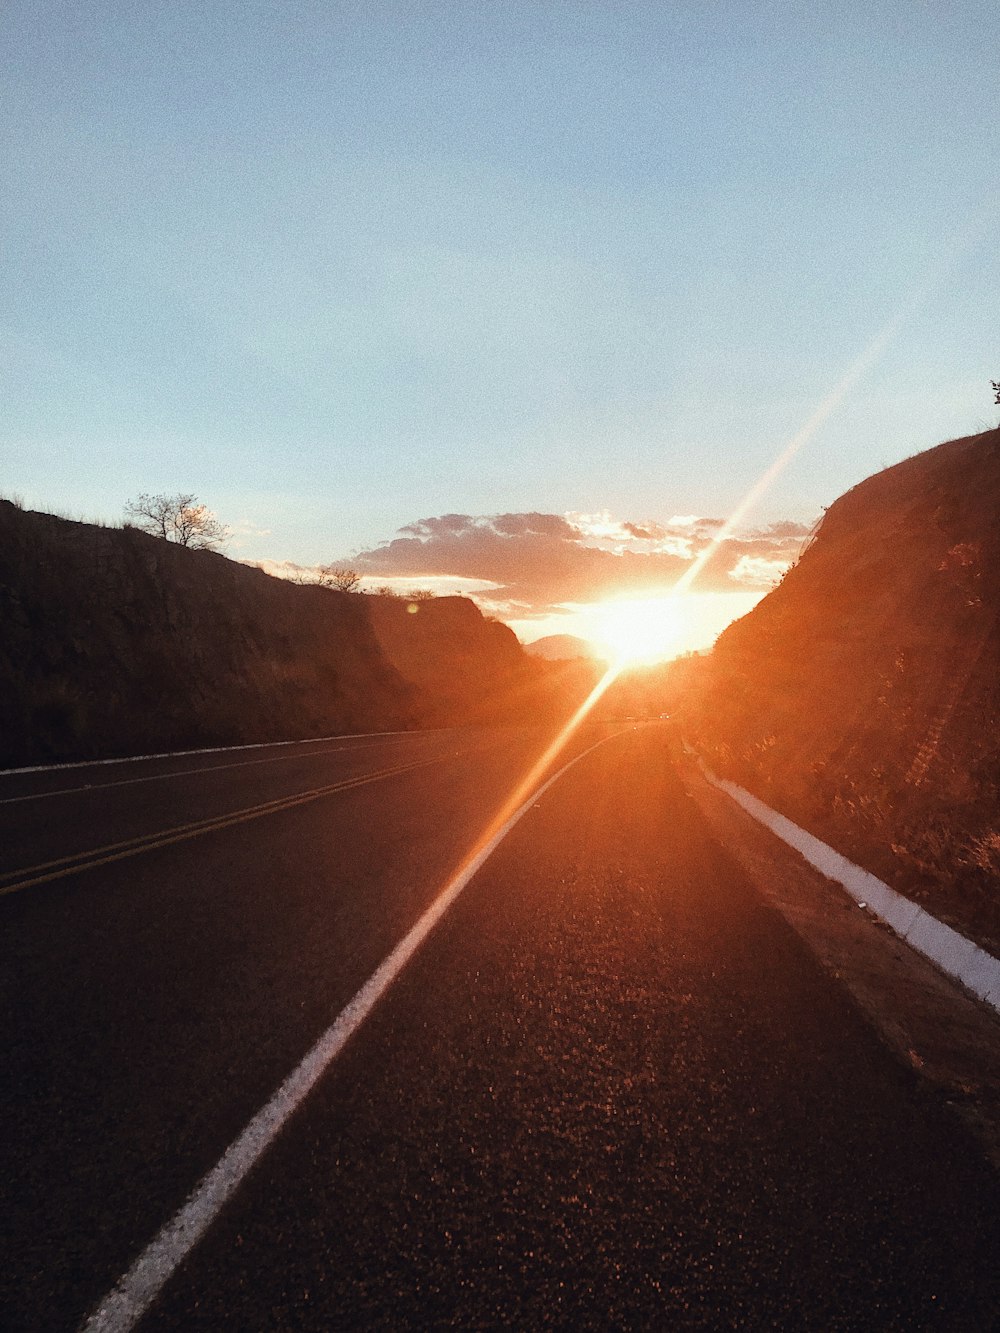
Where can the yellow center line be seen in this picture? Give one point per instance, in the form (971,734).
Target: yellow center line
(212,820)
(46,871)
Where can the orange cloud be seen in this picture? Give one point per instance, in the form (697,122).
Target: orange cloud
(542,561)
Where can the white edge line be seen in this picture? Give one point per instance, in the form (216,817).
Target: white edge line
(215,749)
(960,958)
(172,773)
(126,1303)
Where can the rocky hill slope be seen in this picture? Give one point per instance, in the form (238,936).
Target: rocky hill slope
(862,696)
(462,665)
(113,642)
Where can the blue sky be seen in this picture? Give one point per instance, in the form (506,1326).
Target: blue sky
(339,268)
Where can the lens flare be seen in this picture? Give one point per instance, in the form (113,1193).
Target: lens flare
(539,768)
(635,638)
(873,352)
(869,356)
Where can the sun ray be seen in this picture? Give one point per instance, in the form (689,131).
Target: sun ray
(869,356)
(632,644)
(538,769)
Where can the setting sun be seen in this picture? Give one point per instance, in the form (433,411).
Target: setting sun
(636,632)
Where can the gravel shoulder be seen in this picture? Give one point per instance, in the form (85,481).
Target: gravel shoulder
(930,1024)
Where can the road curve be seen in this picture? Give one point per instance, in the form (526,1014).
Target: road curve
(611,1090)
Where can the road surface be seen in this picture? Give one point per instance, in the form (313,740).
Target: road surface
(612,1088)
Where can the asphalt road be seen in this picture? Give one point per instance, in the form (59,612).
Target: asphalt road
(611,1090)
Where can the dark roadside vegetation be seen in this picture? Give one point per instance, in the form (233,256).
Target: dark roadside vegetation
(861,698)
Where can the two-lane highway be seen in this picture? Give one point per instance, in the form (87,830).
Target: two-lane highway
(152,1002)
(611,1089)
(140,803)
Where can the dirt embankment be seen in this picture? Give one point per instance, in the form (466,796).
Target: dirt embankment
(113,642)
(862,697)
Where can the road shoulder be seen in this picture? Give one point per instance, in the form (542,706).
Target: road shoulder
(928,1022)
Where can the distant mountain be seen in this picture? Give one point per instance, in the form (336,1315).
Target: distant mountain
(861,697)
(561,648)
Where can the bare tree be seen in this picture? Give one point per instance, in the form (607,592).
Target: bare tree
(342,580)
(996,390)
(177,518)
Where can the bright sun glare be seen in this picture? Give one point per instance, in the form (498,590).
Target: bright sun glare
(637,632)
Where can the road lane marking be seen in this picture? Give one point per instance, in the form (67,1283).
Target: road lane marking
(190,772)
(212,749)
(46,871)
(132,1296)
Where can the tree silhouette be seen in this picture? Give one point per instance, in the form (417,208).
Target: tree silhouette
(343,580)
(177,518)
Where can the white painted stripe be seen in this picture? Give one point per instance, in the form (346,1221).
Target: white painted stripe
(216,749)
(125,1305)
(208,768)
(959,957)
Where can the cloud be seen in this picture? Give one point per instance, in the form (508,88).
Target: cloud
(285,569)
(755,570)
(785,529)
(243,532)
(538,562)
(647,537)
(441,585)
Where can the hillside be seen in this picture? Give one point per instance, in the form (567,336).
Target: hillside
(113,642)
(463,666)
(561,648)
(861,697)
